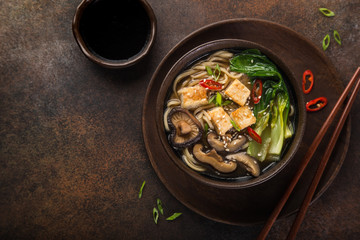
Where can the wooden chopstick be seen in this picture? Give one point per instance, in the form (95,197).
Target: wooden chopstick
(275,213)
(310,193)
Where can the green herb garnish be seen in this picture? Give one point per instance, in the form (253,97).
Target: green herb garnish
(337,37)
(218,99)
(155,215)
(235,125)
(206,128)
(209,71)
(217,72)
(327,12)
(326,42)
(141,189)
(174,216)
(227,102)
(212,98)
(159,205)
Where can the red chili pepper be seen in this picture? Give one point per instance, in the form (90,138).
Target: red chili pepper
(254,135)
(307,76)
(257,91)
(210,84)
(316,104)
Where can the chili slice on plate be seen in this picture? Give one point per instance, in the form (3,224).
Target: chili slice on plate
(308,76)
(256,91)
(316,104)
(254,135)
(210,84)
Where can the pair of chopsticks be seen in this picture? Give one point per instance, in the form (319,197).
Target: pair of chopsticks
(301,214)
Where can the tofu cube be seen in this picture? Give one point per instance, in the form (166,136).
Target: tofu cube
(193,97)
(243,117)
(238,92)
(220,119)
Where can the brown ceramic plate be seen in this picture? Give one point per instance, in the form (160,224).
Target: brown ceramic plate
(252,205)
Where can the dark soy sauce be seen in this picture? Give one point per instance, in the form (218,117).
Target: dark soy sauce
(115,29)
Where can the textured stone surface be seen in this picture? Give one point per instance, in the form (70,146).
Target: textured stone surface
(72,157)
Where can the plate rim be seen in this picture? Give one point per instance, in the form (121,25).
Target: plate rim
(183,42)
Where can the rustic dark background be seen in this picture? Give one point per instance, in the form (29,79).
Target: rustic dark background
(72,157)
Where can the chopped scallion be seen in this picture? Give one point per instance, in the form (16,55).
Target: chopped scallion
(159,205)
(206,128)
(327,12)
(212,98)
(218,99)
(141,189)
(174,216)
(337,37)
(155,215)
(209,71)
(227,102)
(235,125)
(326,42)
(217,72)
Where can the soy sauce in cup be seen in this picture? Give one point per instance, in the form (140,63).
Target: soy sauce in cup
(114,33)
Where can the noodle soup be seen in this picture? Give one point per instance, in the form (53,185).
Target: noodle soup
(230,115)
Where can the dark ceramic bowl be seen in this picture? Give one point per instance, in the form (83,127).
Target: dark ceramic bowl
(114,63)
(294,89)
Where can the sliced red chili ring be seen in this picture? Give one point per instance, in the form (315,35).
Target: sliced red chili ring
(256,91)
(254,135)
(307,76)
(210,84)
(316,104)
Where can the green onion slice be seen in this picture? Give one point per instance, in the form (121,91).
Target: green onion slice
(174,216)
(326,42)
(337,37)
(155,215)
(235,125)
(212,99)
(327,12)
(206,128)
(159,205)
(141,189)
(217,72)
(227,102)
(209,71)
(218,99)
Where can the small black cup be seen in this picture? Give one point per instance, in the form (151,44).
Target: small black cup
(113,33)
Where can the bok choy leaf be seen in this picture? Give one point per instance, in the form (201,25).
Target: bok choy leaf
(272,111)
